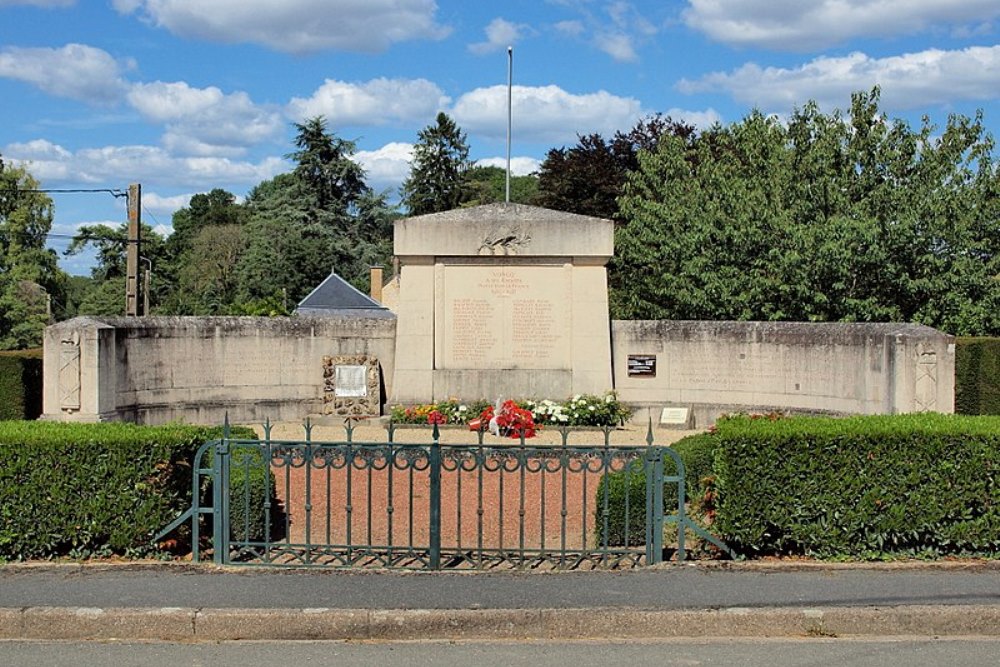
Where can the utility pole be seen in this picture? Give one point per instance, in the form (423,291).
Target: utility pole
(132,251)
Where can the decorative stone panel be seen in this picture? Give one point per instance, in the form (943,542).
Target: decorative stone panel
(351,386)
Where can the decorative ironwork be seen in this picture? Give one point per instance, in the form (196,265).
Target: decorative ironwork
(433,505)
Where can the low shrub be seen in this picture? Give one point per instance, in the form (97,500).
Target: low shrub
(81,490)
(977,376)
(628,487)
(923,485)
(20,384)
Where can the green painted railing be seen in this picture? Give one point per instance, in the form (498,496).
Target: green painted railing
(433,505)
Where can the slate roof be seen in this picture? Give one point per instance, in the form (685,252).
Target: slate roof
(336,296)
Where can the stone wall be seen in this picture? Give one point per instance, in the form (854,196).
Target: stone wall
(836,368)
(196,369)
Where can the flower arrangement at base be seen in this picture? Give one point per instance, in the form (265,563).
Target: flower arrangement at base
(511,420)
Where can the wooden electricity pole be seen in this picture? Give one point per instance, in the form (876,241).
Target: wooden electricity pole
(132,306)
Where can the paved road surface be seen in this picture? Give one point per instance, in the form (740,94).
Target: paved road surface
(686,587)
(773,653)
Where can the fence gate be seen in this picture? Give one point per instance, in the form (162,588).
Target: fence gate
(432,506)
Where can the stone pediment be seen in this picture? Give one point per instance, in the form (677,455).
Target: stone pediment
(505,230)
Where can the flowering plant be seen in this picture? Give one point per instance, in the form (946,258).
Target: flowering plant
(512,420)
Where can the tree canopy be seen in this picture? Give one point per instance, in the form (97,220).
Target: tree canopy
(821,218)
(439,169)
(28,271)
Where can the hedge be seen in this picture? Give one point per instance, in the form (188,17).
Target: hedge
(922,485)
(696,452)
(21,384)
(82,490)
(977,376)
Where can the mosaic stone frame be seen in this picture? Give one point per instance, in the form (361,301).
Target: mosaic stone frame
(369,405)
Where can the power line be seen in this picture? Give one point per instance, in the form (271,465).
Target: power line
(117,194)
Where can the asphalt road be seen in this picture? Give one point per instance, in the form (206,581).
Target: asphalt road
(773,653)
(682,587)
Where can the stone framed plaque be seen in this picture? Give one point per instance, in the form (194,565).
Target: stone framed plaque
(351,386)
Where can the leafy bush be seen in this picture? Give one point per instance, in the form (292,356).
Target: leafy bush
(860,487)
(251,486)
(20,384)
(977,376)
(83,490)
(696,452)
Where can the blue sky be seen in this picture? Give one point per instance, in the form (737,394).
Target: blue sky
(184,96)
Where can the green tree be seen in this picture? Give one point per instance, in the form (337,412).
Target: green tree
(821,218)
(302,225)
(110,266)
(28,271)
(488,185)
(438,171)
(589,177)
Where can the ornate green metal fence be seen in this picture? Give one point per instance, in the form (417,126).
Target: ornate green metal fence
(434,505)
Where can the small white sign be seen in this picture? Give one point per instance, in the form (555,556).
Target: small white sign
(350,381)
(674,416)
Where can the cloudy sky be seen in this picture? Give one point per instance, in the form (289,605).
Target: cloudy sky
(184,96)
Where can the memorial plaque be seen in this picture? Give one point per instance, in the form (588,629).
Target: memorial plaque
(674,416)
(505,317)
(351,386)
(642,365)
(350,381)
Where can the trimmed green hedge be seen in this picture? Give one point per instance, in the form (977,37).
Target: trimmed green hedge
(696,452)
(977,376)
(20,384)
(82,490)
(923,485)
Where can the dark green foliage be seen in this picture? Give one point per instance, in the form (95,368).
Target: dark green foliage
(589,177)
(437,180)
(251,484)
(20,384)
(921,485)
(696,453)
(622,495)
(823,217)
(83,490)
(977,376)
(488,185)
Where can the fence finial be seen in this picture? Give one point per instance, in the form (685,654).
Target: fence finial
(649,432)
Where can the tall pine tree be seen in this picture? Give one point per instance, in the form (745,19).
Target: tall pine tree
(438,173)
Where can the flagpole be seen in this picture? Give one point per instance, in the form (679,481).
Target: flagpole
(510,74)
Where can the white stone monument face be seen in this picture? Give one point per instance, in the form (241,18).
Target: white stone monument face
(502,299)
(497,317)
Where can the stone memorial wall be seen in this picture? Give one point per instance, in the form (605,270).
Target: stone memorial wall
(198,369)
(827,368)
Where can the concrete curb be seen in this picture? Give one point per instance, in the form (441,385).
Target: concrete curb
(174,624)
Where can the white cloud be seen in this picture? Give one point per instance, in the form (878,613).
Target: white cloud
(908,81)
(700,119)
(204,121)
(162,205)
(618,46)
(798,25)
(116,166)
(295,26)
(499,35)
(375,102)
(546,113)
(386,167)
(76,71)
(519,166)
